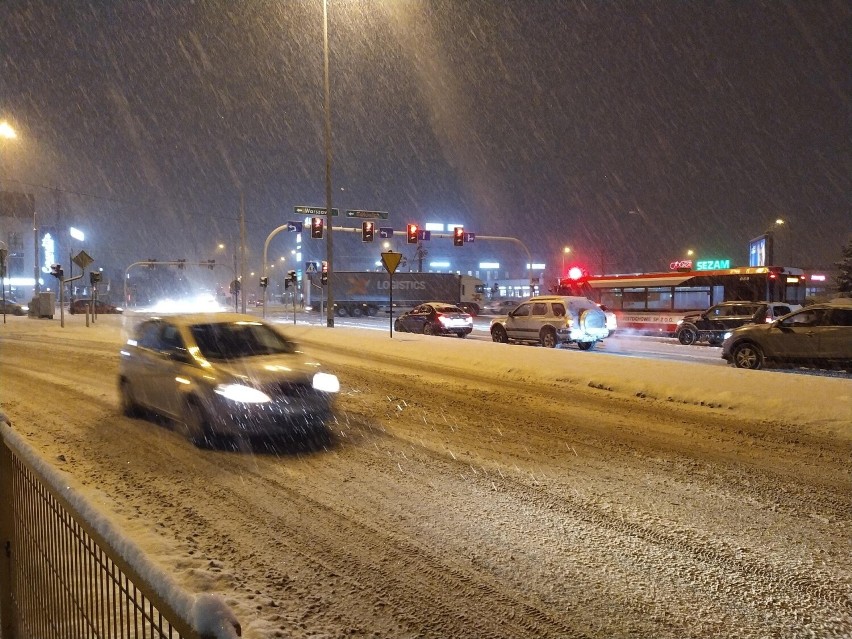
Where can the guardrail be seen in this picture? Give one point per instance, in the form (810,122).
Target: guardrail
(65,571)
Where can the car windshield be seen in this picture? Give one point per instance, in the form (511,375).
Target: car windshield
(239,339)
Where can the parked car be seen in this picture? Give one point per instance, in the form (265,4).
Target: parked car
(83,306)
(818,334)
(551,320)
(500,307)
(712,324)
(12,308)
(224,374)
(435,318)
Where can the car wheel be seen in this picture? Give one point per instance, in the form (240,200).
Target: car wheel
(747,355)
(548,338)
(687,336)
(357,311)
(196,422)
(585,346)
(462,335)
(397,326)
(341,311)
(428,329)
(498,334)
(129,406)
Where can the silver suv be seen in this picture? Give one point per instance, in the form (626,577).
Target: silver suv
(551,320)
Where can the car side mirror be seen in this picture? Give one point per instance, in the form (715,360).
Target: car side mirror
(180,355)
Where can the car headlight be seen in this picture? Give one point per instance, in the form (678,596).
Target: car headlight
(242,394)
(679,322)
(326,382)
(728,334)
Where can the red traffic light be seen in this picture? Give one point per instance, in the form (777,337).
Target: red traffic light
(317,224)
(367,231)
(412,233)
(458,236)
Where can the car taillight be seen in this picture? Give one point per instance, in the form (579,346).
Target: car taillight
(442,318)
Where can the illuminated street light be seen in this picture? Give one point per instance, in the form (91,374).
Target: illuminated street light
(6,131)
(565,251)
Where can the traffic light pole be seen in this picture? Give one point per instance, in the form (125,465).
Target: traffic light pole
(269,237)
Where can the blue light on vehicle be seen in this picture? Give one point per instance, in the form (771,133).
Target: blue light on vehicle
(242,394)
(326,382)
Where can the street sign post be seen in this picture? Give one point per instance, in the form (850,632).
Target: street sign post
(390,261)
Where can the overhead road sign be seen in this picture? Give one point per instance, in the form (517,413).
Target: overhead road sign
(314,210)
(469,237)
(385,232)
(311,267)
(294,226)
(367,215)
(423,235)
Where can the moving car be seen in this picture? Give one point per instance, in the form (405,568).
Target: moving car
(817,334)
(435,318)
(551,320)
(712,324)
(224,374)
(83,306)
(12,308)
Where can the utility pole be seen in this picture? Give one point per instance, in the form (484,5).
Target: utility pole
(243,280)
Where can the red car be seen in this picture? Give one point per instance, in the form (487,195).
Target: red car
(101,308)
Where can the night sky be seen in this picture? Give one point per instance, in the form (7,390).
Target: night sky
(628,131)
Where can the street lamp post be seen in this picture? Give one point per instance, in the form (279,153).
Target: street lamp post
(565,251)
(328,238)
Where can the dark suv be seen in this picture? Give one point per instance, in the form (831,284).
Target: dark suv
(712,324)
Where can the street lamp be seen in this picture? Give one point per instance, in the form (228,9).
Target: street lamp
(327,103)
(565,251)
(6,131)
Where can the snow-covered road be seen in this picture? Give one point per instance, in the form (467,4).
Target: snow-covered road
(478,490)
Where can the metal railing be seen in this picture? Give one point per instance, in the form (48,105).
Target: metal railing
(67,572)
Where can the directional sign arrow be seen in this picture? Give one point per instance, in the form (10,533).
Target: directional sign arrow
(385,232)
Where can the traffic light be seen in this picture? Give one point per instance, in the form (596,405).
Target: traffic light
(458,236)
(152,263)
(181,264)
(94,277)
(412,234)
(324,273)
(211,264)
(290,279)
(264,282)
(367,229)
(317,224)
(56,271)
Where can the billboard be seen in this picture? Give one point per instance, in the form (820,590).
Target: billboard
(760,251)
